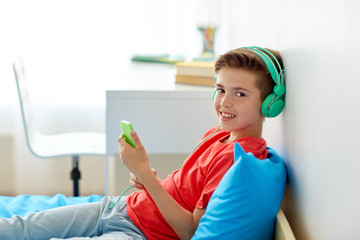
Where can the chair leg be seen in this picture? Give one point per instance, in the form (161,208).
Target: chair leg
(75,174)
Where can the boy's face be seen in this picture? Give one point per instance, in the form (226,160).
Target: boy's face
(238,103)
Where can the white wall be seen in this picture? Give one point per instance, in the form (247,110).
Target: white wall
(319,40)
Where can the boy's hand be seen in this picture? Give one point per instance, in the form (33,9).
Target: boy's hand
(135,181)
(135,159)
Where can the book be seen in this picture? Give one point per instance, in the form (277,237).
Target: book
(195,80)
(196,68)
(157,58)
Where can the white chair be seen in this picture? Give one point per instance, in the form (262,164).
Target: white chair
(74,144)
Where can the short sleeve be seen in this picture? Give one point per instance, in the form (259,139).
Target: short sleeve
(216,170)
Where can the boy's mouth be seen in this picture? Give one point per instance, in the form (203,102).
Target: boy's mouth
(227,115)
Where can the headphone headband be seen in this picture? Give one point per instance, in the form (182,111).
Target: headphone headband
(277,75)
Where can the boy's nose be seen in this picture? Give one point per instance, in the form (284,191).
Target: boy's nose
(225,101)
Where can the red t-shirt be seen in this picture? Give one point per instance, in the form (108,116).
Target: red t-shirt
(193,184)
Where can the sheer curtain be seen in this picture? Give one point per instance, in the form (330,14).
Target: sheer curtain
(70,44)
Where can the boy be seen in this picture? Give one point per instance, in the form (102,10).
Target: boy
(172,208)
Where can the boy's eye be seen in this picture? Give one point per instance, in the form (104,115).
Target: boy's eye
(240,94)
(220,90)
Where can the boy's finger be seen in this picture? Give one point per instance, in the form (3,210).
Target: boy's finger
(136,139)
(133,177)
(122,142)
(136,184)
(121,138)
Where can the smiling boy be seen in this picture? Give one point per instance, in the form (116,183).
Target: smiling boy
(177,203)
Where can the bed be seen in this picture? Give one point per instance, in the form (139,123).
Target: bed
(24,204)
(245,205)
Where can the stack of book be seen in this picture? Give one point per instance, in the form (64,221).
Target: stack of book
(195,72)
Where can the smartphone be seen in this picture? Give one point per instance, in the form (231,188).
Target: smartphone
(126,128)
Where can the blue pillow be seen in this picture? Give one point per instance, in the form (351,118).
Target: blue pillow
(245,203)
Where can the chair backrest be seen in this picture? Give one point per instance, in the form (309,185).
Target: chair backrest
(24,100)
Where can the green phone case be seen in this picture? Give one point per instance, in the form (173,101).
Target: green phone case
(126,128)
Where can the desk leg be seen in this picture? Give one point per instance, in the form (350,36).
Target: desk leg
(106,175)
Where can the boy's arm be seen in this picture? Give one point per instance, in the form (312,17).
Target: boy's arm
(183,222)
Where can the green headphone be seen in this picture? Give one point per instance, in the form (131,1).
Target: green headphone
(275,102)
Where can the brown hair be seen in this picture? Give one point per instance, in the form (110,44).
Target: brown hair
(248,60)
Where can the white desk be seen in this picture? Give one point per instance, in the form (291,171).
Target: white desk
(166,121)
(169,118)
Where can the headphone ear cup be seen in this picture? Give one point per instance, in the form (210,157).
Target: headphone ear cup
(214,91)
(272,105)
(214,94)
